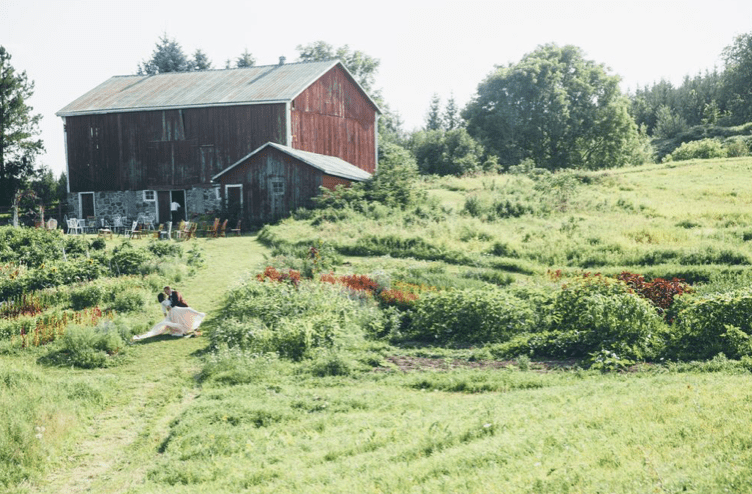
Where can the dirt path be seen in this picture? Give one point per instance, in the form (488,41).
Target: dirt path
(121,444)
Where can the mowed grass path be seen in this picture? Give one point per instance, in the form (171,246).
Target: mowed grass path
(120,444)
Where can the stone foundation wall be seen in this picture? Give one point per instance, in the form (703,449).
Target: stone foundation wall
(131,203)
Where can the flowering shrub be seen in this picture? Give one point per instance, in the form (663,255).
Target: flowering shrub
(291,276)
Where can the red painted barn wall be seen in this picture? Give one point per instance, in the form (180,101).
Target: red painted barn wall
(166,149)
(333,117)
(331,182)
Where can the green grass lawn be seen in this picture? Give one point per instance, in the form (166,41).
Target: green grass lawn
(175,417)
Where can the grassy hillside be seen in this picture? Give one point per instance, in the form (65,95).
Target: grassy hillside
(313,386)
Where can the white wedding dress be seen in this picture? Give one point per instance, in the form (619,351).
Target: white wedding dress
(178,321)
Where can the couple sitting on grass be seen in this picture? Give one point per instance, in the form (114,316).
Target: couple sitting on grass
(180,320)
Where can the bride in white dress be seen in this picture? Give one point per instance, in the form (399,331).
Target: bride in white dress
(178,321)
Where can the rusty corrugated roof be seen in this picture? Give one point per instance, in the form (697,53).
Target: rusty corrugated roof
(330,165)
(253,85)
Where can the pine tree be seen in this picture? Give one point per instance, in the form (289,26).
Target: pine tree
(18,129)
(451,114)
(433,119)
(168,56)
(200,61)
(245,60)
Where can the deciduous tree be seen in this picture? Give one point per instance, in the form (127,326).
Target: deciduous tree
(556,108)
(19,128)
(363,67)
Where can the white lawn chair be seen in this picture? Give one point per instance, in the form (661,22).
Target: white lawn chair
(118,225)
(73,227)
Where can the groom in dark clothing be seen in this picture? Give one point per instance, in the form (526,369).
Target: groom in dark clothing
(176,299)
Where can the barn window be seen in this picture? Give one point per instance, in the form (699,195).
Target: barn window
(150,196)
(278,188)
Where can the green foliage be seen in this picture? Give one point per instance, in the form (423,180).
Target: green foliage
(556,108)
(362,66)
(591,314)
(84,296)
(19,129)
(715,323)
(451,152)
(31,246)
(167,56)
(165,249)
(291,321)
(128,260)
(129,300)
(737,77)
(91,347)
(98,244)
(470,316)
(703,149)
(668,124)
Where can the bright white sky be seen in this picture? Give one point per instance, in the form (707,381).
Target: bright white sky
(425,47)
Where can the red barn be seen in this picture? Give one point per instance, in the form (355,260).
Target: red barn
(136,143)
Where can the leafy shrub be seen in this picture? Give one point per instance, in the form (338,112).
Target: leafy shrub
(129,261)
(737,148)
(712,324)
(88,295)
(596,313)
(91,347)
(98,244)
(132,300)
(470,316)
(165,249)
(287,320)
(702,149)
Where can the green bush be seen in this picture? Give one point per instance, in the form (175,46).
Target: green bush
(707,325)
(702,149)
(165,249)
(277,317)
(131,300)
(470,316)
(90,347)
(98,244)
(84,296)
(129,261)
(591,314)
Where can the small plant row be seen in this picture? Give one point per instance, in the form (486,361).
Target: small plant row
(46,328)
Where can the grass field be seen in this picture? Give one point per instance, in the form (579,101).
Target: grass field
(177,417)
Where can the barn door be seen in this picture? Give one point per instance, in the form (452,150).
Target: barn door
(163,206)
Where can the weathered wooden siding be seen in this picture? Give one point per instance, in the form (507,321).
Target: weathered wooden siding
(262,200)
(166,149)
(333,117)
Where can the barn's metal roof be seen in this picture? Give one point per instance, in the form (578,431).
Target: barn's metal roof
(253,85)
(328,164)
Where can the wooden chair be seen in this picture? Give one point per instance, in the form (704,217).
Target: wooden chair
(158,231)
(222,229)
(185,230)
(236,230)
(212,230)
(118,224)
(192,230)
(135,231)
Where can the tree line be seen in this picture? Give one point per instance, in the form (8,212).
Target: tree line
(553,109)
